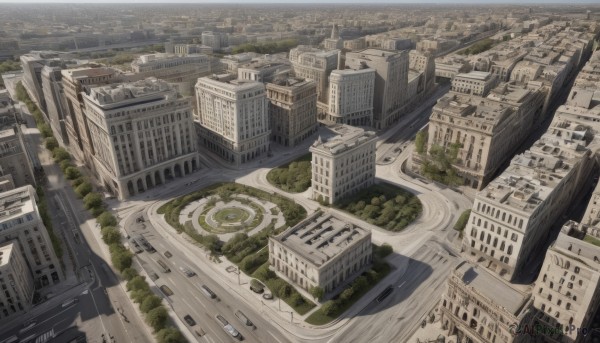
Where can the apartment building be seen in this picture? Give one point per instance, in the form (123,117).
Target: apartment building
(191,49)
(143,133)
(292,110)
(54,97)
(32,64)
(263,71)
(343,164)
(480,308)
(486,131)
(474,83)
(391,81)
(16,281)
(566,293)
(14,158)
(351,94)
(22,225)
(321,251)
(74,82)
(234,120)
(513,216)
(315,64)
(216,40)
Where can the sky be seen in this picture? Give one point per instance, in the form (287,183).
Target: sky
(523,2)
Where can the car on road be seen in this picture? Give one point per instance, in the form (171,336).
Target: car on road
(70,302)
(153,275)
(135,246)
(199,332)
(27,326)
(228,327)
(166,290)
(242,317)
(164,266)
(187,272)
(208,292)
(386,292)
(256,286)
(168,254)
(189,320)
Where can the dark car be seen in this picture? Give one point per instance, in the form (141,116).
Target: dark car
(384,294)
(189,320)
(168,254)
(166,290)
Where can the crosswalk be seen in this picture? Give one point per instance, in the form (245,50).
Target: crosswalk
(45,337)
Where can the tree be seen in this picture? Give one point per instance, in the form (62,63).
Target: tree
(110,235)
(170,335)
(51,143)
(65,164)
(329,308)
(139,295)
(284,291)
(45,130)
(150,303)
(157,318)
(106,219)
(92,200)
(83,189)
(60,154)
(317,292)
(296,299)
(347,294)
(121,259)
(421,142)
(384,250)
(78,181)
(72,173)
(137,283)
(360,284)
(129,273)
(462,221)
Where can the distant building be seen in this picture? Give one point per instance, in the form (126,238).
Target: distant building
(334,42)
(315,64)
(143,133)
(513,216)
(292,110)
(14,159)
(391,81)
(474,83)
(234,121)
(16,281)
(344,164)
(480,308)
(351,95)
(191,49)
(216,40)
(355,44)
(21,223)
(262,71)
(32,64)
(231,63)
(321,251)
(567,291)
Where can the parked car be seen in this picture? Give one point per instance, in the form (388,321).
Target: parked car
(256,286)
(164,266)
(168,254)
(384,294)
(189,320)
(242,317)
(208,292)
(187,272)
(153,275)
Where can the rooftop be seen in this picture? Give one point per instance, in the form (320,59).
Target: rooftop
(16,202)
(573,241)
(5,253)
(128,91)
(321,237)
(476,75)
(495,290)
(347,137)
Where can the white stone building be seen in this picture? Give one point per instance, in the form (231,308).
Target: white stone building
(315,64)
(234,120)
(474,83)
(344,164)
(351,95)
(321,251)
(143,133)
(16,281)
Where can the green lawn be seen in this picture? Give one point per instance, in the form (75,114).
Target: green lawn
(593,240)
(384,205)
(293,177)
(231,215)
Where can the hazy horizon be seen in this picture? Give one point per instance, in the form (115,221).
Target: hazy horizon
(283,2)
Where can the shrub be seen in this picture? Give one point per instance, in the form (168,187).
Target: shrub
(129,273)
(151,302)
(347,294)
(296,299)
(92,200)
(139,295)
(329,308)
(284,291)
(72,173)
(51,143)
(317,292)
(121,257)
(60,154)
(157,318)
(110,235)
(462,221)
(77,182)
(83,189)
(45,130)
(137,283)
(65,164)
(170,335)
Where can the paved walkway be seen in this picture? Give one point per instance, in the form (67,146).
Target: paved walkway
(192,212)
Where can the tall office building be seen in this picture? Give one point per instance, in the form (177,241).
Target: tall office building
(32,64)
(216,40)
(14,157)
(15,280)
(344,164)
(234,120)
(391,82)
(143,134)
(292,110)
(55,102)
(351,95)
(21,224)
(74,81)
(315,64)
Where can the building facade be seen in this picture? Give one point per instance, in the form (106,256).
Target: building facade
(315,64)
(54,96)
(216,40)
(143,133)
(391,81)
(16,281)
(351,95)
(343,165)
(474,83)
(14,158)
(22,225)
(321,251)
(234,120)
(292,110)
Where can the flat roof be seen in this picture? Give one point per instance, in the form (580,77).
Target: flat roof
(6,253)
(347,137)
(321,237)
(494,289)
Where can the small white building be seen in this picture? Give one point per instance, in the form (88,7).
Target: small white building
(351,96)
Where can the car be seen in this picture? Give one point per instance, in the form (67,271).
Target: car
(27,326)
(153,275)
(233,332)
(199,332)
(70,302)
(267,296)
(242,317)
(208,292)
(166,290)
(187,272)
(256,286)
(221,320)
(189,320)
(168,254)
(384,294)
